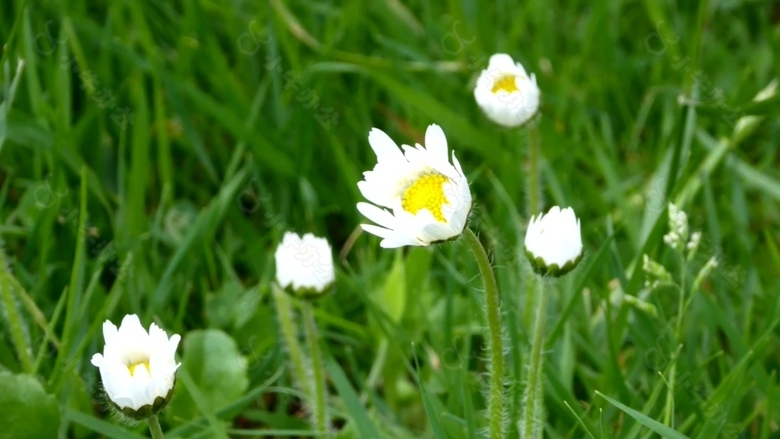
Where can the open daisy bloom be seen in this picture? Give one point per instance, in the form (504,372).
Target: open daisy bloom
(137,368)
(418,196)
(553,242)
(304,265)
(506,93)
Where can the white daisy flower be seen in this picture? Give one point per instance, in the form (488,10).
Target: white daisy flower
(506,93)
(137,368)
(553,243)
(304,265)
(418,197)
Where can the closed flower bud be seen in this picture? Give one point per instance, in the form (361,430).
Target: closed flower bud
(553,242)
(304,265)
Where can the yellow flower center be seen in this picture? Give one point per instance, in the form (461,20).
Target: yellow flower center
(133,366)
(427,192)
(506,83)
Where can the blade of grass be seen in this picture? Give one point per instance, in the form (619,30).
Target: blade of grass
(351,400)
(74,289)
(663,430)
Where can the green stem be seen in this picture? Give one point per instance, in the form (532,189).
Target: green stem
(496,348)
(533,189)
(379,363)
(669,407)
(154,427)
(681,302)
(534,183)
(290,334)
(530,302)
(318,375)
(531,427)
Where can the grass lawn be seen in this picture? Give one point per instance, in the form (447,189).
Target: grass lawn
(154,153)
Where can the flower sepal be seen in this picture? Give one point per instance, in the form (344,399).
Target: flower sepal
(551,270)
(311,294)
(452,239)
(144,412)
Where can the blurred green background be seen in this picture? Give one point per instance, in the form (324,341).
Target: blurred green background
(179,140)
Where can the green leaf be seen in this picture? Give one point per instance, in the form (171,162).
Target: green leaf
(663,430)
(20,396)
(232,306)
(218,370)
(393,298)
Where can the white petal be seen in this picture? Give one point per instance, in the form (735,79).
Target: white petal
(438,231)
(109,332)
(369,193)
(383,146)
(501,61)
(377,215)
(97,360)
(400,240)
(376,230)
(436,142)
(173,343)
(414,156)
(131,328)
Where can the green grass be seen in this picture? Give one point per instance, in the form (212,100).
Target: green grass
(174,215)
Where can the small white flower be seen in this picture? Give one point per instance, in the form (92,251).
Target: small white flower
(506,93)
(304,265)
(428,198)
(693,244)
(678,228)
(553,242)
(137,368)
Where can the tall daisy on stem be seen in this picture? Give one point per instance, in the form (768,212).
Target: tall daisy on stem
(553,245)
(510,97)
(304,269)
(418,198)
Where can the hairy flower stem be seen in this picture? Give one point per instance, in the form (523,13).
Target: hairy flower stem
(290,334)
(318,376)
(533,190)
(533,183)
(154,427)
(495,348)
(531,423)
